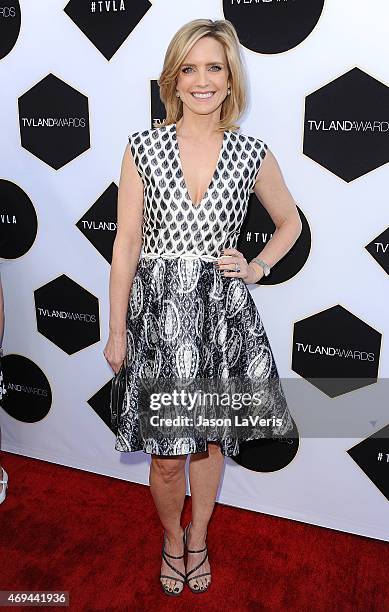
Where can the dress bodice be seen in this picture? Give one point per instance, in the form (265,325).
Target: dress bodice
(172,225)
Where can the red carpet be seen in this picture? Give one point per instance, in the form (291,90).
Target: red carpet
(100,539)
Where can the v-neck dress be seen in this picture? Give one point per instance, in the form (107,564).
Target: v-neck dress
(186,322)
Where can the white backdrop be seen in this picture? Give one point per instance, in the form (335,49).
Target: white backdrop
(322,485)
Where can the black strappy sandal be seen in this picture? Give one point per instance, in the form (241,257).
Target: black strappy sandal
(164,555)
(199,589)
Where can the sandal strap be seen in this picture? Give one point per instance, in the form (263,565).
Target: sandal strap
(172,557)
(198,576)
(197,566)
(165,555)
(196,551)
(172,577)
(201,562)
(164,551)
(172,567)
(186,539)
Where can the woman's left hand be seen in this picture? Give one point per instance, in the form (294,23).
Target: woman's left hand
(227,265)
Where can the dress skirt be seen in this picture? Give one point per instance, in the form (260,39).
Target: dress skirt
(189,327)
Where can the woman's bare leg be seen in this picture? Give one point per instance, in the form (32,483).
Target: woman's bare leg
(204,476)
(168,487)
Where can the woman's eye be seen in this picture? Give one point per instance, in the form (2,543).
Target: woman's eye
(190,68)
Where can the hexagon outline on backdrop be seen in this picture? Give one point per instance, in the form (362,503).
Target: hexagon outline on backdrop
(318,313)
(303,113)
(84,289)
(19,101)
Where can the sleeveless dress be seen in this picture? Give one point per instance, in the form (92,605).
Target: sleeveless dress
(185,320)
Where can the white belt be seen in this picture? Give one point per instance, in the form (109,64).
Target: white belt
(185,255)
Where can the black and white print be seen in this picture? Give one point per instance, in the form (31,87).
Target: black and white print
(185,320)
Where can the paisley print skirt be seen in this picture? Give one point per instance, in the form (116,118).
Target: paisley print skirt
(186,321)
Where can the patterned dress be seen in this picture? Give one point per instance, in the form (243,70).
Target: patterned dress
(187,322)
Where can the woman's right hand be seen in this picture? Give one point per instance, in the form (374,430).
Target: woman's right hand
(115,350)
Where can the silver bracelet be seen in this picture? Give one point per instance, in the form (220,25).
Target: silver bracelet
(266,268)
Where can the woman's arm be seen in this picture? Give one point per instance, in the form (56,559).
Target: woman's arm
(271,190)
(125,256)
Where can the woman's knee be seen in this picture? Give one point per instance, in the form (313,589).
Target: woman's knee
(168,468)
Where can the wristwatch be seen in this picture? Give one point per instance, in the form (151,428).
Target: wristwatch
(263,264)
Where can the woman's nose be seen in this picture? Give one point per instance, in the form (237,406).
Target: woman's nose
(202,79)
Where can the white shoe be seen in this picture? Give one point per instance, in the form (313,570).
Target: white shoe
(4,482)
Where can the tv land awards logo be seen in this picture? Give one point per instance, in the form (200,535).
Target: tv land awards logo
(18,221)
(272,26)
(336,351)
(67,314)
(346,125)
(99,223)
(10,20)
(258,228)
(372,456)
(107,23)
(379,249)
(54,121)
(28,394)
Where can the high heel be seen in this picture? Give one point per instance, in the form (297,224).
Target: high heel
(199,589)
(164,555)
(4,482)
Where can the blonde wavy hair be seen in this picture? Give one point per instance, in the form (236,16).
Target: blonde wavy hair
(182,42)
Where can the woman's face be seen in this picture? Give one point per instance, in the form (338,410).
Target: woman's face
(204,71)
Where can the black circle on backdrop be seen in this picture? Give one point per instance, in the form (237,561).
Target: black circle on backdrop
(273,26)
(268,454)
(28,394)
(9,26)
(18,221)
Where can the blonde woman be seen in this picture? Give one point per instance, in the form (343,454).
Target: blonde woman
(179,302)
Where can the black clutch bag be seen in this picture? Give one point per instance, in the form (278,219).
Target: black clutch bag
(118,389)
